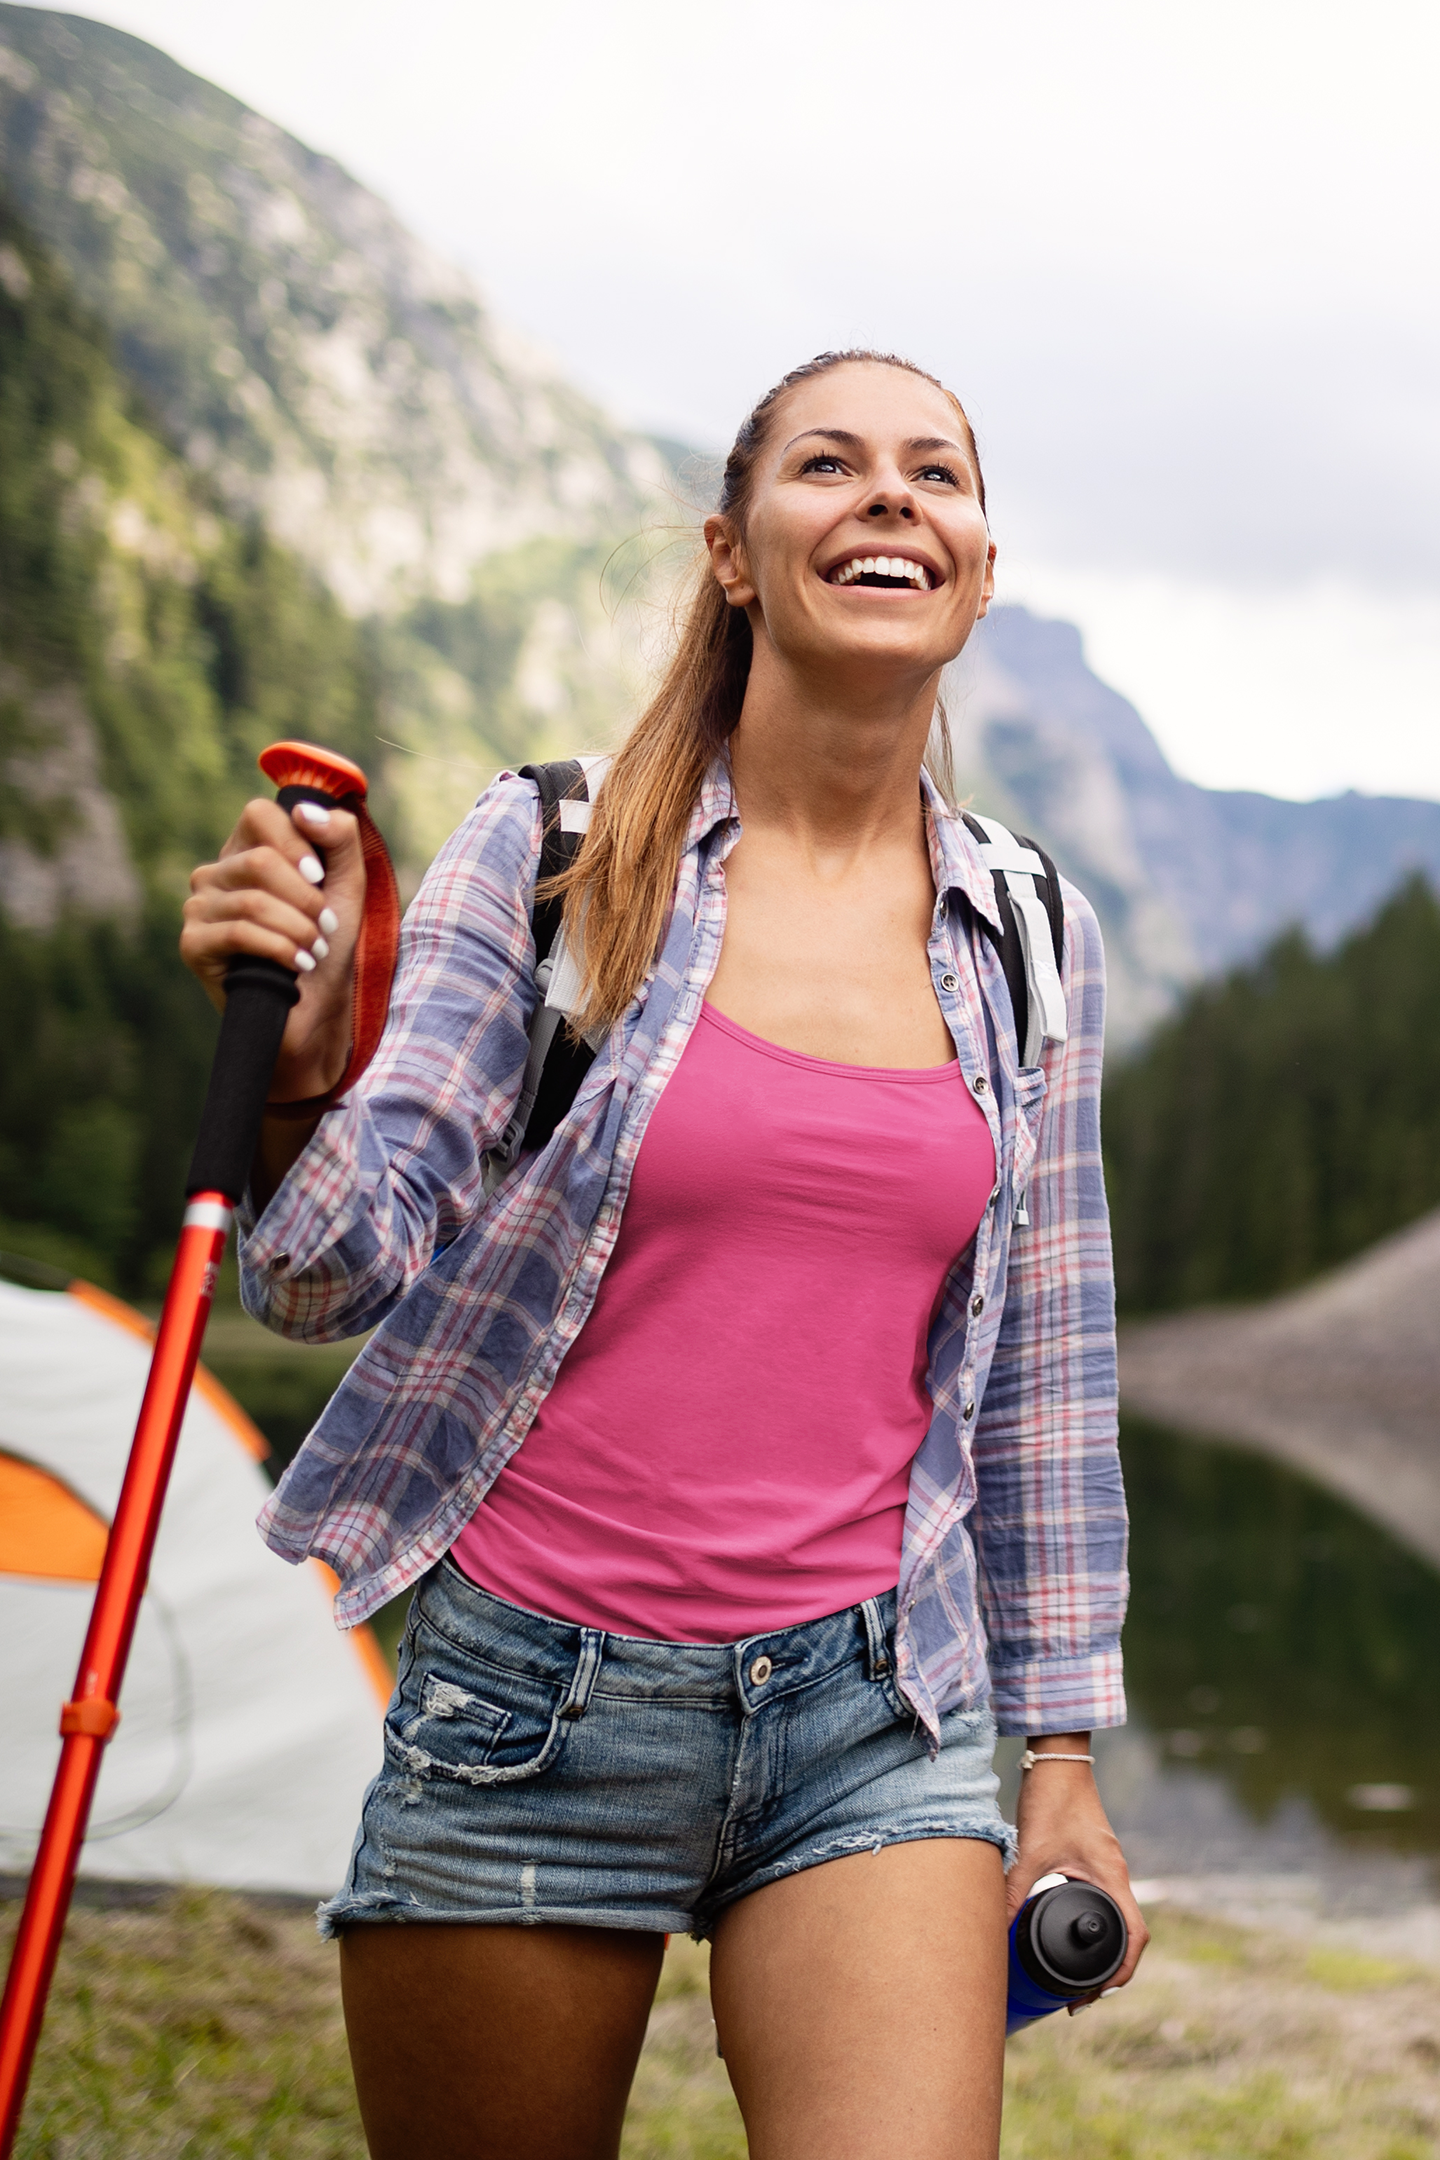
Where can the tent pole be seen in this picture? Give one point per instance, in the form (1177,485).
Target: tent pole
(259,995)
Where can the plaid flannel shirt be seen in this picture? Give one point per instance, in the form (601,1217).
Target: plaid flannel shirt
(1012,1578)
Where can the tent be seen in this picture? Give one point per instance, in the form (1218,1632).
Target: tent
(249,1726)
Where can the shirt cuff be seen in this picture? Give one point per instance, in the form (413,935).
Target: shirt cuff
(1059,1695)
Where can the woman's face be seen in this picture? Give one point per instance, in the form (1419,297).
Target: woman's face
(865,542)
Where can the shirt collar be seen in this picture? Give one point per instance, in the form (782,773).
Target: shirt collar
(955,857)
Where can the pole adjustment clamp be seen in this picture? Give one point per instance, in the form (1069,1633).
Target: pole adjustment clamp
(91,1718)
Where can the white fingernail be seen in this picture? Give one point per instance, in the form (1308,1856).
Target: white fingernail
(304,962)
(319,948)
(1108,1991)
(314,813)
(311,869)
(329,921)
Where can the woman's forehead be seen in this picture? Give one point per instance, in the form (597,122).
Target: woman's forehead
(867,398)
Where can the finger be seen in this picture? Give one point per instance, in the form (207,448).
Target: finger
(331,835)
(262,823)
(265,869)
(218,923)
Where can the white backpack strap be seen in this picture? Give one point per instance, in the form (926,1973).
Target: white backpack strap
(1020,866)
(565,982)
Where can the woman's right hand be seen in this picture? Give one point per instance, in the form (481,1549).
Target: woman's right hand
(272,894)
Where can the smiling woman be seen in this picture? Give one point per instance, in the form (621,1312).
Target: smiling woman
(753,1441)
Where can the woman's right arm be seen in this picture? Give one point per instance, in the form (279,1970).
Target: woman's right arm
(361,1202)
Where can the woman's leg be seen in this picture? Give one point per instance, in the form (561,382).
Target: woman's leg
(861,2005)
(495,2043)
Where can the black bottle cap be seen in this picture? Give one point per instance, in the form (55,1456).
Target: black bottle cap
(1072,1938)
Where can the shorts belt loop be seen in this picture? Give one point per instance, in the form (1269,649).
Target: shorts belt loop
(587,1672)
(877,1642)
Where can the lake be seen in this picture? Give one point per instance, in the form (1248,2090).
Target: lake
(1283,1667)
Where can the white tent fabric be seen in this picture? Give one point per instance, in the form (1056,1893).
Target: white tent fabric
(249,1726)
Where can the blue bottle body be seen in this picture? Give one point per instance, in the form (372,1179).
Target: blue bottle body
(1049,1967)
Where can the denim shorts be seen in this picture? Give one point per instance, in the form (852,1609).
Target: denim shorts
(537,1772)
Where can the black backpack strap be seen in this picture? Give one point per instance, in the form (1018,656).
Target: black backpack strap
(561,780)
(565,1060)
(1008,944)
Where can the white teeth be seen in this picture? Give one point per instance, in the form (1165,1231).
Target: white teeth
(894,566)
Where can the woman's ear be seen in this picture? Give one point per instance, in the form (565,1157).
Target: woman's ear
(727,561)
(987,589)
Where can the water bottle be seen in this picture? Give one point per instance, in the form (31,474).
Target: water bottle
(1067,1939)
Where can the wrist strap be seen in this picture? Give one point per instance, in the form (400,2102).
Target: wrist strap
(1029,1759)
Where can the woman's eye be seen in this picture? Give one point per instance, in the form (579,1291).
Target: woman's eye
(946,473)
(823,461)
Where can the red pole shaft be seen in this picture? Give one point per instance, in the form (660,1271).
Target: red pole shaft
(89,1718)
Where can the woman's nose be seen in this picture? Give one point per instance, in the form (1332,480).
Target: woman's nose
(883,505)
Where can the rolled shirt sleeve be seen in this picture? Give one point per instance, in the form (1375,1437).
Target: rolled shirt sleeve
(1050,1521)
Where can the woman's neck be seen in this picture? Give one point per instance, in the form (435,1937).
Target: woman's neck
(828,764)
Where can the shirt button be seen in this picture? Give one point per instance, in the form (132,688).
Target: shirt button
(977,1306)
(949,982)
(994,1196)
(969,1412)
(760,1671)
(980,1084)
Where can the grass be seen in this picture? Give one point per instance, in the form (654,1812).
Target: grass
(209,2026)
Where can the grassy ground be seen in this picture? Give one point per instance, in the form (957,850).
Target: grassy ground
(210,2027)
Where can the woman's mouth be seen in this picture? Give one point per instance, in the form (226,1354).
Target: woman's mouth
(884,573)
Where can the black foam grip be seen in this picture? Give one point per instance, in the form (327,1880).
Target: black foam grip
(258,998)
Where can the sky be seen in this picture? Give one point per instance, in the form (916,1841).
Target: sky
(1182,264)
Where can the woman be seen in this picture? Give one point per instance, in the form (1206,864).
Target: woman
(805,1414)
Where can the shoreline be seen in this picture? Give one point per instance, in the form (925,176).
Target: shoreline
(1340,1380)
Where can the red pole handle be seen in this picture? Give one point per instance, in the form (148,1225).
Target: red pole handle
(91,1715)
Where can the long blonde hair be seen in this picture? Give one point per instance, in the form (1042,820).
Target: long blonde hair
(618,893)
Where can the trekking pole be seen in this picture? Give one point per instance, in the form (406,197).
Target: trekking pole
(258,997)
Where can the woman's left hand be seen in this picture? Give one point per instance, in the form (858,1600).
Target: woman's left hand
(1064,1830)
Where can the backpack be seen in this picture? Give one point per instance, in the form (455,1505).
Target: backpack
(1030,945)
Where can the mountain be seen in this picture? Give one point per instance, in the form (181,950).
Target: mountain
(1187,881)
(348,393)
(292,337)
(149,645)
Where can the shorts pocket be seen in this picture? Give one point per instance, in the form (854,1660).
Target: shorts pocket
(464,1719)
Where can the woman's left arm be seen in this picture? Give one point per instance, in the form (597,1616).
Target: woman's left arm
(1050,1526)
(1064,1830)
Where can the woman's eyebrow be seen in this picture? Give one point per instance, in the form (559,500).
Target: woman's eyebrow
(831,434)
(855,442)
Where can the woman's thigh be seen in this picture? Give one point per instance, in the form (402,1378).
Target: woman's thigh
(861,2005)
(496,2042)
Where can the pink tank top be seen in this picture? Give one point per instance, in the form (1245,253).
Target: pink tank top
(726,1448)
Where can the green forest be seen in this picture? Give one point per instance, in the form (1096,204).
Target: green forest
(178,642)
(1283,1118)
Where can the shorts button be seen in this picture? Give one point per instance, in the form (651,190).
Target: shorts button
(760,1671)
